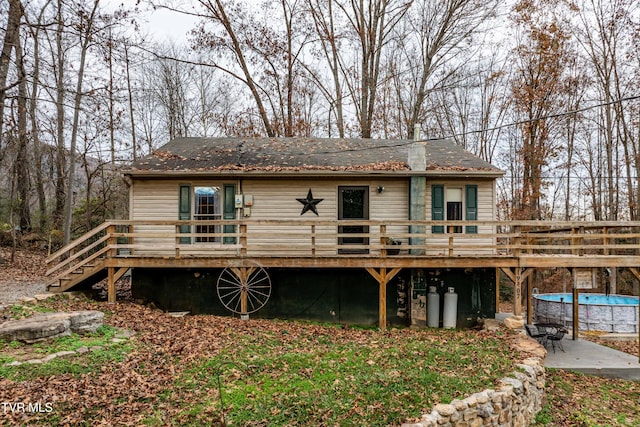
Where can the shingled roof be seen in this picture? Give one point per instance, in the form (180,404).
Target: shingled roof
(254,155)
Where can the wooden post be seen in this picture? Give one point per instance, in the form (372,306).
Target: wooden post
(177,242)
(382,300)
(516,241)
(131,239)
(243,239)
(517,298)
(112,241)
(574,242)
(581,241)
(383,240)
(111,285)
(382,277)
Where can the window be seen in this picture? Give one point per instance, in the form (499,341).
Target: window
(453,196)
(206,207)
(206,203)
(447,203)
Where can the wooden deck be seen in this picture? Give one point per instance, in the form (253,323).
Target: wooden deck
(515,247)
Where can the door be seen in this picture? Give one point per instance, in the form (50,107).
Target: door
(353,204)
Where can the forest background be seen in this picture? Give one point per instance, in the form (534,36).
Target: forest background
(547,90)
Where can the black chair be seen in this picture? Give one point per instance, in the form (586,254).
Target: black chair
(556,339)
(537,334)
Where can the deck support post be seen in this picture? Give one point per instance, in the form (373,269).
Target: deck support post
(517,306)
(243,274)
(576,313)
(382,277)
(517,276)
(113,276)
(111,285)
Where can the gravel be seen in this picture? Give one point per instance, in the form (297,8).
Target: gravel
(11,292)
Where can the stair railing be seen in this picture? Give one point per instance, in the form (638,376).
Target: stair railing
(79,253)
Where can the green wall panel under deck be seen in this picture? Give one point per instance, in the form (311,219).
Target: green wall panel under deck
(347,296)
(326,295)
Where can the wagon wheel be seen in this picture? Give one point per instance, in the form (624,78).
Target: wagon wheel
(244,290)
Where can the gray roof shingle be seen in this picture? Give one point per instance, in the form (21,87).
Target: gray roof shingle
(304,154)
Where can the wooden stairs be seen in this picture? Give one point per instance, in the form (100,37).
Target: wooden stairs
(81,263)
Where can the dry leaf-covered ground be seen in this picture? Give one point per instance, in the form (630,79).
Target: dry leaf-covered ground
(22,276)
(168,369)
(125,395)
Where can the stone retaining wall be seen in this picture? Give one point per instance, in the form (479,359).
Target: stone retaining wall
(515,402)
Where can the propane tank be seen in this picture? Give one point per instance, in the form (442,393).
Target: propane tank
(433,308)
(450,309)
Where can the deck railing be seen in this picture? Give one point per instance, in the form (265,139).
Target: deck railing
(320,238)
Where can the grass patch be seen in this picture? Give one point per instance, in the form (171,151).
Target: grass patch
(101,337)
(21,311)
(78,364)
(376,379)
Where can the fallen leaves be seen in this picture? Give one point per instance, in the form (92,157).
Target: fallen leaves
(579,400)
(27,266)
(170,377)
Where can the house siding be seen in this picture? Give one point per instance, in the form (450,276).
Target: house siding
(275,199)
(486,203)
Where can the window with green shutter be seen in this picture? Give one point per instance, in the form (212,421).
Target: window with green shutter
(184,211)
(446,203)
(229,212)
(437,207)
(471,212)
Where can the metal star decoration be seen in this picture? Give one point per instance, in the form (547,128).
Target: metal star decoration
(309,203)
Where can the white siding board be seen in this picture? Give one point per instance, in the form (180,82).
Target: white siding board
(275,199)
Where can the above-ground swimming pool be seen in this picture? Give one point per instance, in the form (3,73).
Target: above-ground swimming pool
(596,312)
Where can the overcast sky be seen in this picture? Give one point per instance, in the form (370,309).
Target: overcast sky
(161,24)
(165,24)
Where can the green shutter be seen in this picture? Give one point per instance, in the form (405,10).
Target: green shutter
(184,211)
(437,207)
(229,211)
(471,201)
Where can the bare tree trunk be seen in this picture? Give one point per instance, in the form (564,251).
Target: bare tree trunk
(60,191)
(371,21)
(112,137)
(325,28)
(85,37)
(134,143)
(11,39)
(219,14)
(22,171)
(440,28)
(35,131)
